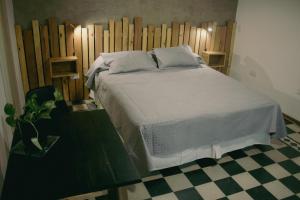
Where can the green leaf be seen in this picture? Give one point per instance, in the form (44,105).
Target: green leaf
(45,115)
(49,105)
(9,109)
(11,121)
(58,96)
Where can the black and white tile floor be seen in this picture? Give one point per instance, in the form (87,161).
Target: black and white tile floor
(257,172)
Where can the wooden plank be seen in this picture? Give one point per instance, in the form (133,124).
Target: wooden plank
(78,53)
(150,37)
(163,35)
(144,43)
(202,41)
(217,39)
(169,36)
(111,35)
(53,36)
(65,89)
(208,36)
(22,60)
(30,59)
(222,38)
(118,36)
(85,57)
(192,38)
(106,41)
(45,53)
(70,52)
(157,36)
(98,40)
(91,42)
(186,37)
(130,37)
(230,35)
(38,52)
(197,44)
(62,40)
(175,34)
(125,34)
(138,24)
(181,34)
(213,25)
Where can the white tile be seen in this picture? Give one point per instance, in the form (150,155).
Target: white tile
(178,182)
(240,196)
(215,172)
(277,171)
(248,163)
(252,151)
(169,196)
(296,160)
(209,191)
(137,191)
(276,155)
(151,178)
(246,181)
(294,127)
(224,159)
(295,136)
(190,168)
(278,189)
(277,144)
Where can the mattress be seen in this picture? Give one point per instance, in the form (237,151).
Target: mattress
(173,116)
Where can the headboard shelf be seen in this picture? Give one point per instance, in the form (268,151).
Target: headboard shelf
(58,43)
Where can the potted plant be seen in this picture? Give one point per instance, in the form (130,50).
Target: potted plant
(26,123)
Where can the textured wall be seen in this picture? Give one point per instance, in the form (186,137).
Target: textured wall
(99,11)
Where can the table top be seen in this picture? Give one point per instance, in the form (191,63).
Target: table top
(89,157)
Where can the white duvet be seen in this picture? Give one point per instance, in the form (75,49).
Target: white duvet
(177,115)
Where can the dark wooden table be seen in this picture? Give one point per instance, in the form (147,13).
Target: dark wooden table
(89,157)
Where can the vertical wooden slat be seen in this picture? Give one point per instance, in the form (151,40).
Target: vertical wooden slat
(78,53)
(230,34)
(145,35)
(222,38)
(98,40)
(213,25)
(205,26)
(217,39)
(45,53)
(38,53)
(169,37)
(138,23)
(118,36)
(91,39)
(130,36)
(22,60)
(85,58)
(192,38)
(30,59)
(202,41)
(53,35)
(157,36)
(187,29)
(70,52)
(111,35)
(163,35)
(125,34)
(181,34)
(197,44)
(175,34)
(150,37)
(106,41)
(62,40)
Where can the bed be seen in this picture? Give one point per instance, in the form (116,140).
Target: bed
(177,115)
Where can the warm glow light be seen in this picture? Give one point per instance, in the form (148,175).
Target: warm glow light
(209,29)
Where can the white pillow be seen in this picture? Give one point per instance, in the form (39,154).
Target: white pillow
(131,61)
(175,56)
(109,57)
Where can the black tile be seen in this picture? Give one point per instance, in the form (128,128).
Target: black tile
(260,193)
(224,198)
(232,167)
(292,183)
(290,166)
(289,131)
(294,197)
(261,175)
(263,147)
(197,177)
(289,152)
(157,187)
(237,154)
(170,171)
(188,194)
(205,162)
(262,159)
(228,186)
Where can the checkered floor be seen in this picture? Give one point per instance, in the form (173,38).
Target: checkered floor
(258,172)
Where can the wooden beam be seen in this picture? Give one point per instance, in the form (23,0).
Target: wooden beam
(53,35)
(130,37)
(45,53)
(111,35)
(85,58)
(91,43)
(163,35)
(125,34)
(181,34)
(106,41)
(150,37)
(78,53)
(186,37)
(169,36)
(98,40)
(138,23)
(145,37)
(118,36)
(175,34)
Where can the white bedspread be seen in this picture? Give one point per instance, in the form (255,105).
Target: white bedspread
(178,111)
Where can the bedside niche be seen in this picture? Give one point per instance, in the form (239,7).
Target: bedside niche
(64,67)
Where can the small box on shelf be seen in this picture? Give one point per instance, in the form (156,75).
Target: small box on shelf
(63,67)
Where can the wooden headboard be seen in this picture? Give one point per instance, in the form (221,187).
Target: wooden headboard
(37,45)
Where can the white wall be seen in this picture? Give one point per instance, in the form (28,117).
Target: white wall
(267,50)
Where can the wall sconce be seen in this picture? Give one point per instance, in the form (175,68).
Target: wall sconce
(209,29)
